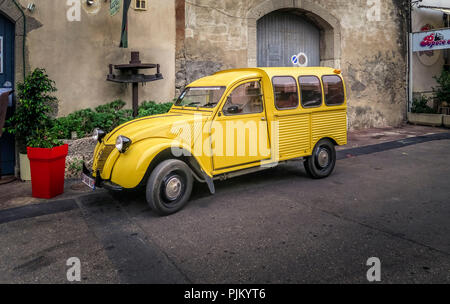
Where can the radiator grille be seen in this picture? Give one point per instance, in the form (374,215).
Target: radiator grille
(102,156)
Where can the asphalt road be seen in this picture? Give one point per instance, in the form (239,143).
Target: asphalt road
(276,226)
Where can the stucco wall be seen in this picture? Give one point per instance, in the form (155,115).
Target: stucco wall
(372,53)
(76,54)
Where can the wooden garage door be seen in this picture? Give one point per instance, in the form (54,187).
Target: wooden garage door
(282,35)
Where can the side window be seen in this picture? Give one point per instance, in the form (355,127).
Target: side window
(311,91)
(333,89)
(285,92)
(245,99)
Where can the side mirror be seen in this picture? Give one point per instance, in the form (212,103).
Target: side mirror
(232,110)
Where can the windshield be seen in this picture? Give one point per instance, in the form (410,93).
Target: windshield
(206,97)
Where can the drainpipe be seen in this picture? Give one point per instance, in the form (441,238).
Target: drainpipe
(410,61)
(447,52)
(16,169)
(24,36)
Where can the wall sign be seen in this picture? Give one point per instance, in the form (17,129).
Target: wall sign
(431,40)
(114,7)
(300,60)
(428,57)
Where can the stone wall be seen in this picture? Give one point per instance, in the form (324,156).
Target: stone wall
(369,48)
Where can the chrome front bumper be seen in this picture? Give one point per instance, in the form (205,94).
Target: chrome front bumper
(99,182)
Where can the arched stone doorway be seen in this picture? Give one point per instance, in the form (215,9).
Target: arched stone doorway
(283,34)
(328,26)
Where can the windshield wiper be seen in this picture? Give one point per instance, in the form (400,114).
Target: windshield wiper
(192,104)
(210,104)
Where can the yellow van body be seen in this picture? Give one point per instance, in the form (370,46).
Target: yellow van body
(291,133)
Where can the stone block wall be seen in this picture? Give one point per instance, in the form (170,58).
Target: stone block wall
(364,38)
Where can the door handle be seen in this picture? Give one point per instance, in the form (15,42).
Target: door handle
(263,118)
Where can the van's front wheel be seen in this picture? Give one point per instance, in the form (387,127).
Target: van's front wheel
(169,187)
(322,161)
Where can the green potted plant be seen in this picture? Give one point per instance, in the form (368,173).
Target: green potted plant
(47,156)
(442,92)
(443,95)
(34,107)
(422,114)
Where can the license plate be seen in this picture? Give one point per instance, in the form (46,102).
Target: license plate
(88,181)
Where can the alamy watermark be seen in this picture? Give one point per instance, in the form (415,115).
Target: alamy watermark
(73,273)
(74,11)
(231,138)
(374,11)
(374,272)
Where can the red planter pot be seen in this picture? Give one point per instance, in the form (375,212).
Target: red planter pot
(47,170)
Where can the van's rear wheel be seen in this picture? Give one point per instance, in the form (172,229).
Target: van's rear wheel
(169,187)
(322,161)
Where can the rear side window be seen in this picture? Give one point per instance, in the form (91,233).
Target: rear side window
(333,89)
(311,91)
(285,91)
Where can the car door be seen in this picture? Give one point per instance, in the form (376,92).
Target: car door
(239,133)
(292,120)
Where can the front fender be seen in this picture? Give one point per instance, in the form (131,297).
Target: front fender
(130,167)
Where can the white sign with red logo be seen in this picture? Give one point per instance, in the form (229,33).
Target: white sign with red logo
(432,40)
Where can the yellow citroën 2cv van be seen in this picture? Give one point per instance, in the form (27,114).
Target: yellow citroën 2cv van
(232,123)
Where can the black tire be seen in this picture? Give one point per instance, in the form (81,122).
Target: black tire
(322,161)
(169,187)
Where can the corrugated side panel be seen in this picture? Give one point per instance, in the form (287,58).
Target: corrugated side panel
(294,135)
(330,124)
(96,156)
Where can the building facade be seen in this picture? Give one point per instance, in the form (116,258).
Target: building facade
(193,38)
(76,40)
(364,38)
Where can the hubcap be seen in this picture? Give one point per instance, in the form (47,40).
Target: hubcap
(173,188)
(323,158)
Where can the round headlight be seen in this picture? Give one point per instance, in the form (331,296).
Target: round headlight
(98,134)
(95,134)
(122,143)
